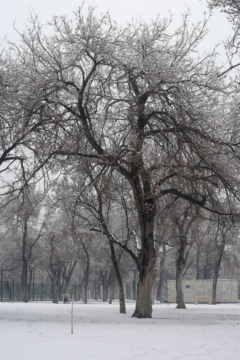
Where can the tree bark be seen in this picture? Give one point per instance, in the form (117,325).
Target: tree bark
(162,275)
(146,274)
(119,279)
(68,275)
(25,280)
(198,262)
(86,272)
(55,289)
(216,271)
(179,272)
(85,288)
(55,270)
(96,289)
(104,286)
(112,279)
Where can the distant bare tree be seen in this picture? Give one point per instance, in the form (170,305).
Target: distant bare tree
(232,10)
(26,228)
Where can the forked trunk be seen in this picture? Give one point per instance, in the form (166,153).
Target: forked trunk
(144,291)
(146,273)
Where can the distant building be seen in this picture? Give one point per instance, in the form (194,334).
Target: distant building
(227,290)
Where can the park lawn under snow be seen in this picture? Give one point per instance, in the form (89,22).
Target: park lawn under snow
(42,331)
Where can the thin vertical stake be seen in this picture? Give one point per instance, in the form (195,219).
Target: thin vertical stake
(72,318)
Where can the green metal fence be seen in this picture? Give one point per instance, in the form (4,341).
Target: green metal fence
(12,291)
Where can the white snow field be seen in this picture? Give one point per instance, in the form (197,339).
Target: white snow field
(42,331)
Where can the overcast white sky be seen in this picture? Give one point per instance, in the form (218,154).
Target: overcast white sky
(122,11)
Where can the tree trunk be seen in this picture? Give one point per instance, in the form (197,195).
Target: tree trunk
(86,279)
(112,279)
(160,285)
(216,272)
(179,273)
(81,283)
(146,272)
(104,287)
(162,275)
(113,258)
(96,289)
(119,279)
(56,271)
(198,262)
(67,283)
(55,290)
(25,280)
(86,272)
(68,275)
(154,287)
(207,269)
(179,288)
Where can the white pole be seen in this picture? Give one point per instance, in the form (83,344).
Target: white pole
(72,318)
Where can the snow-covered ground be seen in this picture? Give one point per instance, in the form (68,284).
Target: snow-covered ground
(42,331)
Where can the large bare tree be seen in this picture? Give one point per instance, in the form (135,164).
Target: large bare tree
(138,100)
